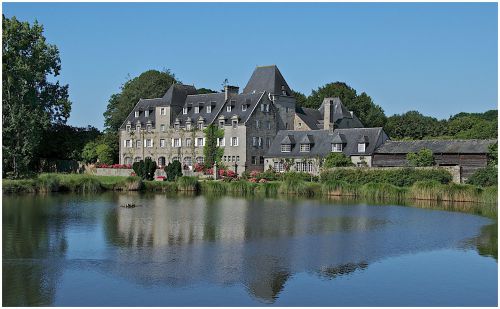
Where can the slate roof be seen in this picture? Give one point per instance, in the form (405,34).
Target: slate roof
(310,116)
(269,79)
(437,146)
(142,106)
(202,100)
(236,101)
(177,93)
(323,139)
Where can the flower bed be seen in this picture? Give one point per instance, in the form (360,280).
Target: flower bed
(127,166)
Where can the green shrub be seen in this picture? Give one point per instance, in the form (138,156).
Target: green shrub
(337,159)
(173,170)
(484,177)
(397,177)
(422,158)
(145,169)
(104,154)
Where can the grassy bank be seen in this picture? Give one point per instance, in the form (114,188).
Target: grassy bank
(463,196)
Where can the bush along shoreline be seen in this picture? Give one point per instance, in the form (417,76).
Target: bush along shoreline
(394,186)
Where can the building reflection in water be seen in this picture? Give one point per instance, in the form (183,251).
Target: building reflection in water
(184,241)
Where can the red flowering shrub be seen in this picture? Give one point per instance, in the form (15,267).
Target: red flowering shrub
(102,165)
(254,180)
(254,174)
(209,171)
(199,167)
(231,174)
(161,178)
(222,173)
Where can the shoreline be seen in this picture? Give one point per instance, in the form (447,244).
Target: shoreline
(465,198)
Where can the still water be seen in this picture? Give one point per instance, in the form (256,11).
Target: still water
(85,250)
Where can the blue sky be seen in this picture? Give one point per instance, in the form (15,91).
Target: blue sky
(437,58)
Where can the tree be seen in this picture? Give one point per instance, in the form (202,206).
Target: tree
(337,159)
(173,170)
(205,91)
(148,85)
(369,113)
(104,154)
(89,153)
(30,102)
(211,151)
(412,125)
(493,154)
(300,98)
(423,158)
(484,177)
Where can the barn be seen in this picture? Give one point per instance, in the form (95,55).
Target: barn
(470,155)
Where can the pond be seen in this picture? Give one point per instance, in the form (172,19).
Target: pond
(86,250)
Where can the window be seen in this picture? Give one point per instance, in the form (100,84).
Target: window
(286,148)
(161,161)
(177,126)
(235,123)
(269,125)
(254,141)
(196,109)
(138,128)
(209,109)
(304,167)
(146,113)
(137,114)
(305,147)
(162,128)
(234,141)
(137,159)
(149,127)
(300,124)
(200,141)
(162,143)
(176,159)
(188,161)
(237,158)
(149,143)
(138,143)
(337,147)
(233,159)
(200,160)
(188,142)
(221,124)
(200,126)
(286,125)
(225,158)
(162,111)
(228,108)
(254,160)
(243,107)
(287,110)
(184,110)
(361,147)
(176,142)
(128,127)
(259,142)
(257,123)
(278,166)
(128,143)
(221,142)
(188,126)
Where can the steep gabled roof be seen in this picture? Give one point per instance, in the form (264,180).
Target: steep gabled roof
(339,114)
(216,100)
(310,116)
(323,140)
(141,106)
(177,93)
(269,79)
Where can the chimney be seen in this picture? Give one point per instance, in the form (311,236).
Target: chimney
(230,91)
(326,114)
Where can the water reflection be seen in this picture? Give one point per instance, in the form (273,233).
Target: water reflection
(184,241)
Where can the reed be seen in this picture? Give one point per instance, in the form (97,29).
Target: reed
(268,189)
(19,186)
(382,191)
(79,183)
(461,193)
(157,186)
(339,188)
(294,184)
(48,183)
(426,190)
(241,187)
(187,183)
(213,187)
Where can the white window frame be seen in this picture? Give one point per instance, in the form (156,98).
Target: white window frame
(162,142)
(305,148)
(149,143)
(136,114)
(177,142)
(234,141)
(196,109)
(229,108)
(188,142)
(188,126)
(337,147)
(128,127)
(184,110)
(162,128)
(138,143)
(243,107)
(234,123)
(361,147)
(149,127)
(146,113)
(221,142)
(209,109)
(286,148)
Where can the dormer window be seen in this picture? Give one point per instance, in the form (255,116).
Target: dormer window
(138,127)
(148,127)
(337,147)
(286,148)
(209,109)
(163,111)
(234,123)
(177,126)
(283,91)
(146,113)
(221,123)
(196,109)
(305,147)
(228,108)
(184,110)
(137,114)
(243,107)
(200,125)
(188,126)
(361,147)
(264,107)
(128,127)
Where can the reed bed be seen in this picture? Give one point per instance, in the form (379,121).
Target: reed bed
(382,191)
(187,183)
(339,188)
